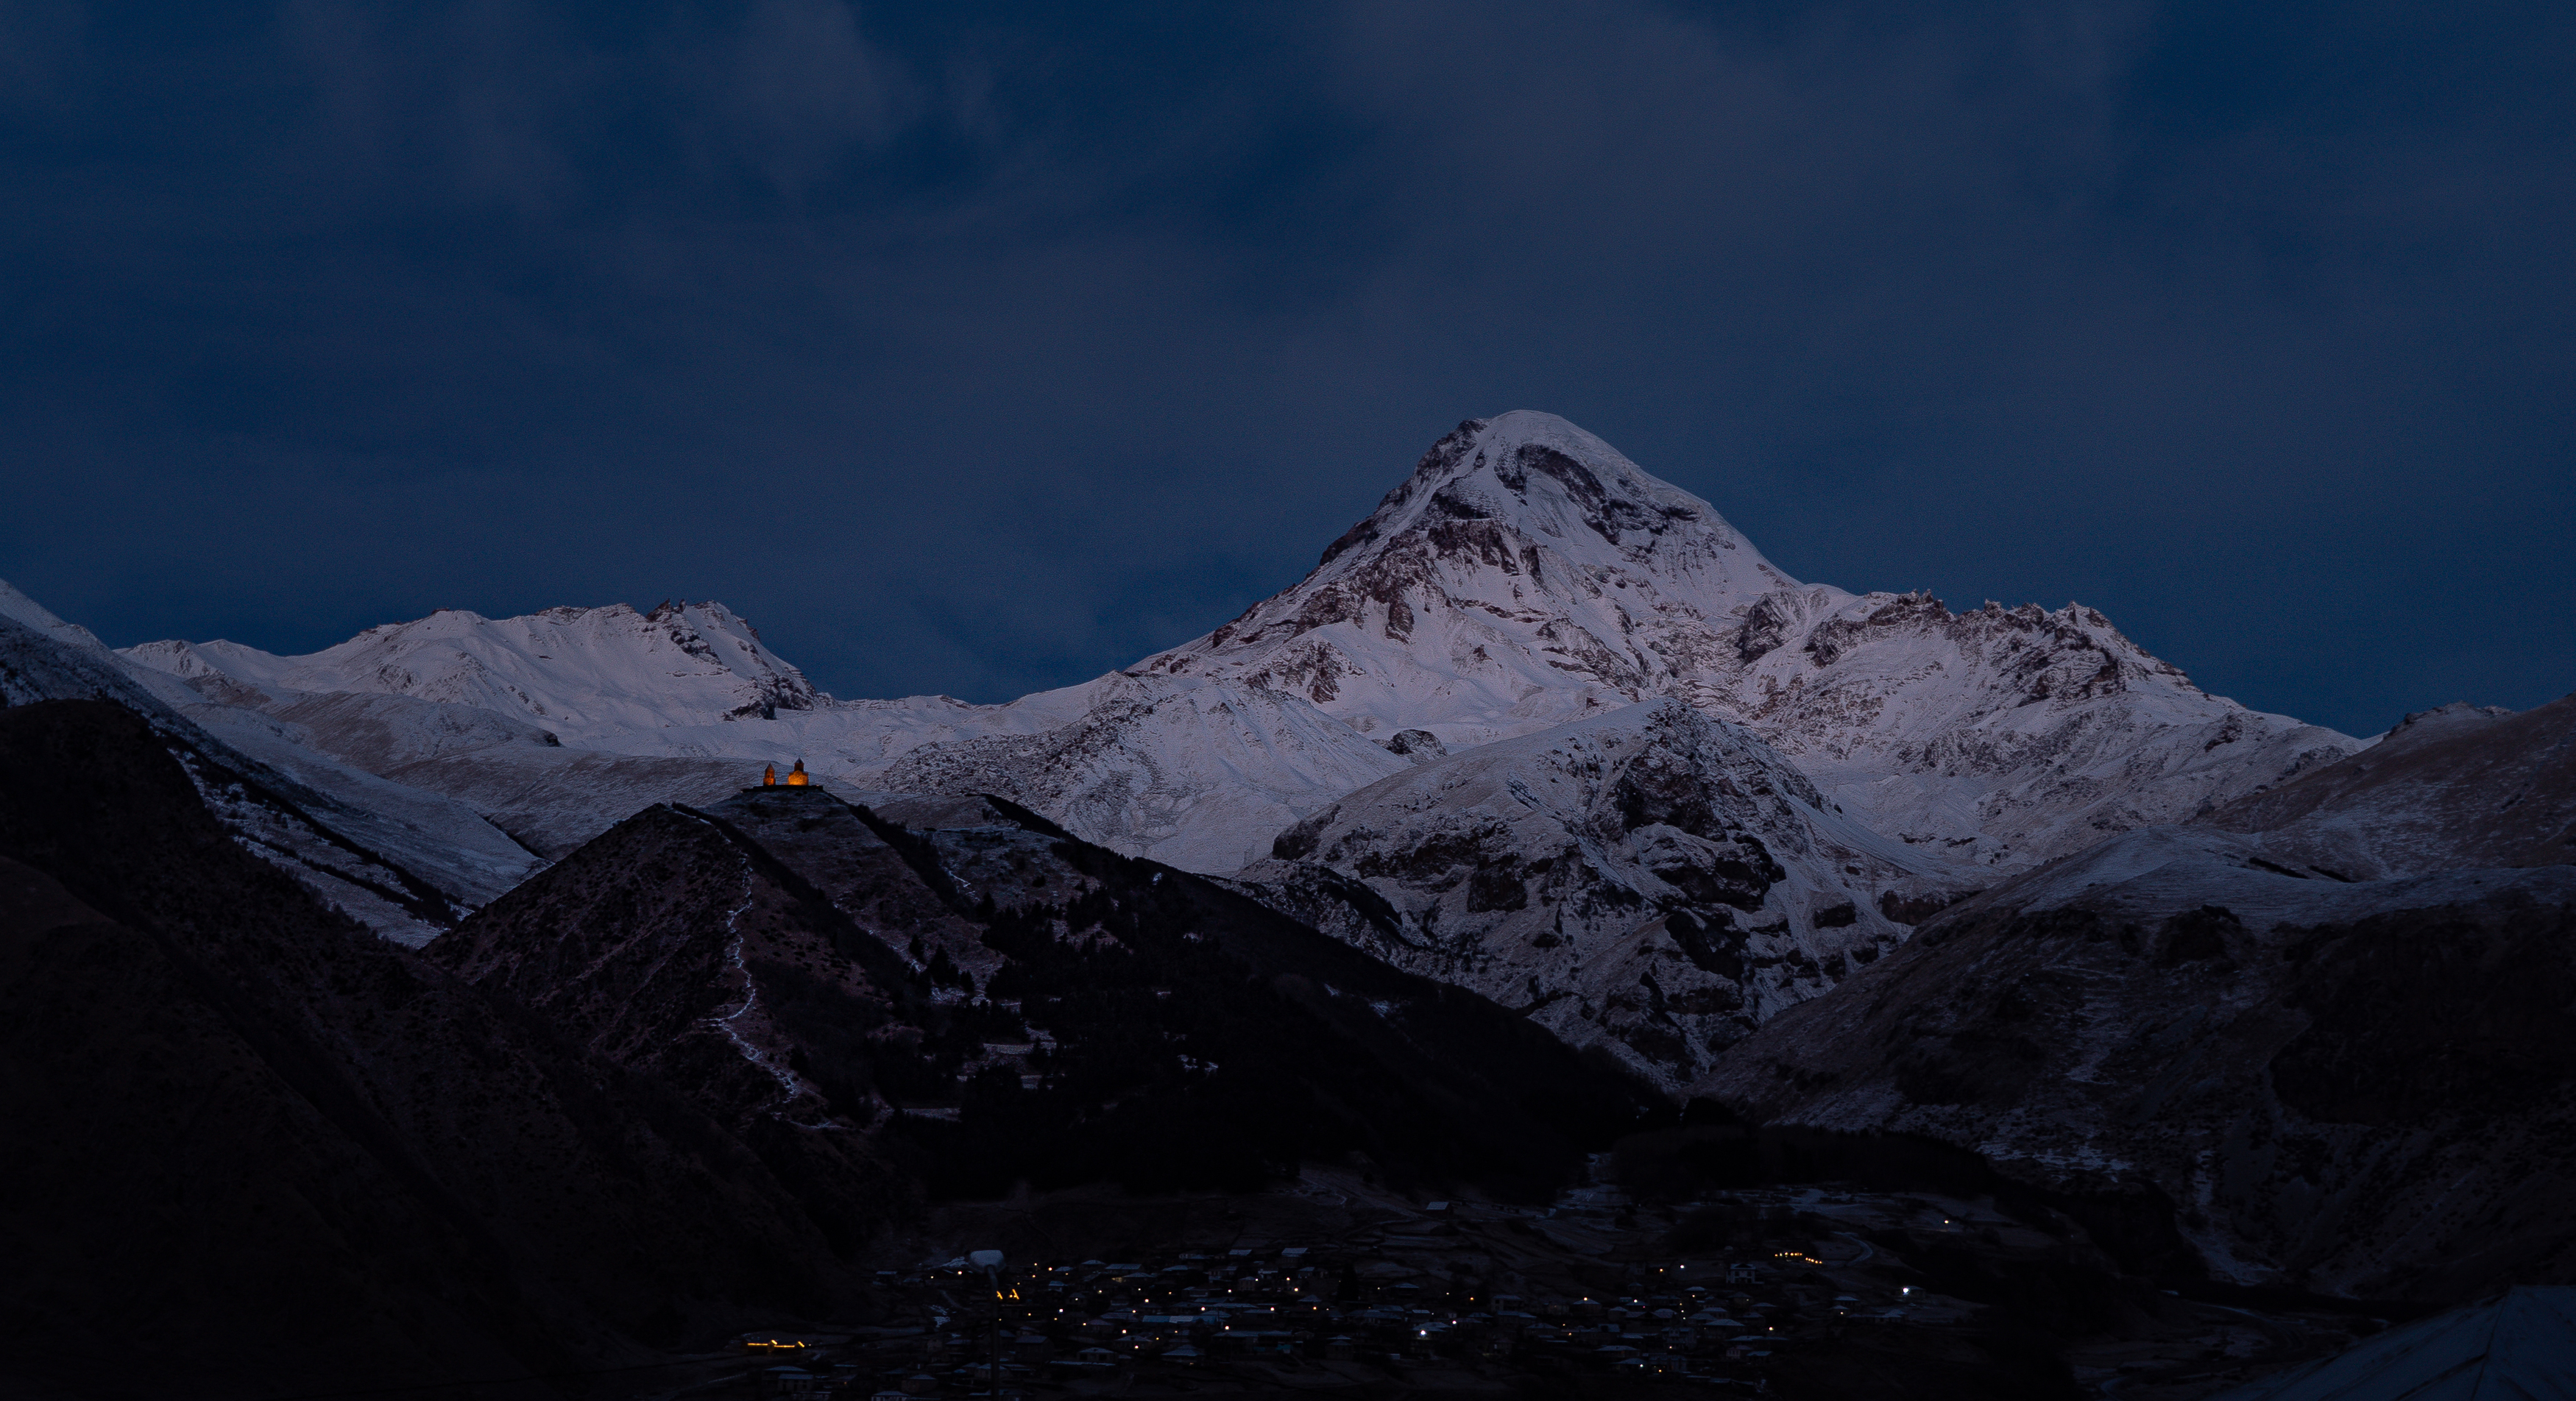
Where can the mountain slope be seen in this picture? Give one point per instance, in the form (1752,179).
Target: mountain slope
(993,1000)
(404,861)
(583,672)
(2355,1088)
(230,1106)
(1192,772)
(1527,574)
(2458,786)
(1654,881)
(554,800)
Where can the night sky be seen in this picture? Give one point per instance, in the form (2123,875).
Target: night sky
(980,348)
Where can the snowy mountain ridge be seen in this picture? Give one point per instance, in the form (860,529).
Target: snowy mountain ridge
(586,673)
(404,861)
(1192,771)
(1524,575)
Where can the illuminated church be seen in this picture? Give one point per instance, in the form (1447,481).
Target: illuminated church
(796,777)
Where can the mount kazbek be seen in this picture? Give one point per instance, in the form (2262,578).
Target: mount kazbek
(1712,790)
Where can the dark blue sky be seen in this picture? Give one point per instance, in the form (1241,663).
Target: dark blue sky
(979,347)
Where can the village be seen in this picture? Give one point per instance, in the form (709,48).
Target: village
(1332,1285)
(1348,1315)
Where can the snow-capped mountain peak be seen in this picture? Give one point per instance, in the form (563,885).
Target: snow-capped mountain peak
(1544,477)
(1525,574)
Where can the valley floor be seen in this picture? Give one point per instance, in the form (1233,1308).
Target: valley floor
(1333,1285)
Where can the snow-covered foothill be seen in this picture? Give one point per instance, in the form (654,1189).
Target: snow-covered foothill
(583,673)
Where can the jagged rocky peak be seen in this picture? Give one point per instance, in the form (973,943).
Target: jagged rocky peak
(1997,736)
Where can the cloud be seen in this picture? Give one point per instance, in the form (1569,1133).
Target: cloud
(978,348)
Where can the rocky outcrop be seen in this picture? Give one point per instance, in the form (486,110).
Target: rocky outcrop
(1655,882)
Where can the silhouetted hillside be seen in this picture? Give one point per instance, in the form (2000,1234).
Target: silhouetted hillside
(257,1150)
(1003,1003)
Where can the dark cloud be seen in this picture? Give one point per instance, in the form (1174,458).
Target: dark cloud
(982,347)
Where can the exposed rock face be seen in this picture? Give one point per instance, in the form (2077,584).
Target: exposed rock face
(995,1000)
(1653,881)
(2458,786)
(1419,746)
(2359,1088)
(229,1106)
(1527,574)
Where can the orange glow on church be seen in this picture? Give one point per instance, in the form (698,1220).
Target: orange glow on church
(797,779)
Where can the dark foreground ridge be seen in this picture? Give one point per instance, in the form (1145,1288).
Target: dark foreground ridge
(774,1062)
(990,1001)
(259,1151)
(276,1155)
